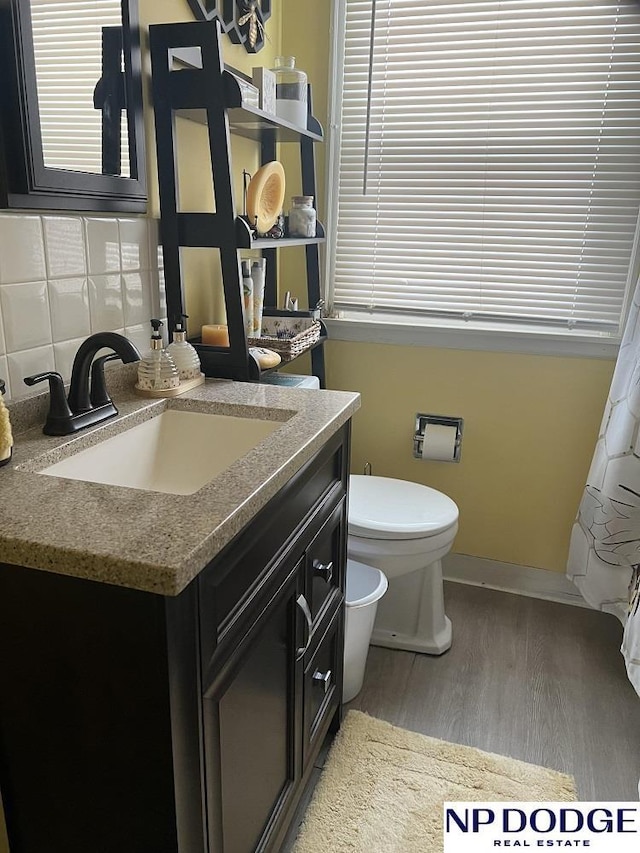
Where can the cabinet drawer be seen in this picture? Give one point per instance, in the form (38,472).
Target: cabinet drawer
(322,687)
(324,566)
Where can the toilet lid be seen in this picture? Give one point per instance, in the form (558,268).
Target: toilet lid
(384,508)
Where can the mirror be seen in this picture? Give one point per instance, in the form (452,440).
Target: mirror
(71,112)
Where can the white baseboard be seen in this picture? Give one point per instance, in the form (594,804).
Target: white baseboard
(508,577)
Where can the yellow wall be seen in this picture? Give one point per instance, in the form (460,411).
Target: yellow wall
(530,421)
(530,428)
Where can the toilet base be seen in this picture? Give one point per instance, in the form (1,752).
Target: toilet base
(434,645)
(411,615)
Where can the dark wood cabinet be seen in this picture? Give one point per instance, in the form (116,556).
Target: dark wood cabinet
(261,637)
(131,722)
(136,723)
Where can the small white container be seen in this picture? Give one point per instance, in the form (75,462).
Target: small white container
(365,587)
(302,217)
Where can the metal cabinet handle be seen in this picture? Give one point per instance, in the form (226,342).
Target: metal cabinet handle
(323,678)
(301,601)
(323,570)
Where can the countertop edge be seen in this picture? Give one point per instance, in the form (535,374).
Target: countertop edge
(171,569)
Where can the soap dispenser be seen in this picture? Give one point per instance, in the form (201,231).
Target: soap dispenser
(6,436)
(157,370)
(183,354)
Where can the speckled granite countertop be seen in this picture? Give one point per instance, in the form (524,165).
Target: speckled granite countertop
(148,540)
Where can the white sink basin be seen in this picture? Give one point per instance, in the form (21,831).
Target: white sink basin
(176,452)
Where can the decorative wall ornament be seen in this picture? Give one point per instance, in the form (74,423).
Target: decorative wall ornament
(206,10)
(244,21)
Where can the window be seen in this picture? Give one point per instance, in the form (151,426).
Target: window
(489,162)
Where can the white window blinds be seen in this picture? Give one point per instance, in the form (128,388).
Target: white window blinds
(67,42)
(499,152)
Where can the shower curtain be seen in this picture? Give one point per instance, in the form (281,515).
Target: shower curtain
(604,556)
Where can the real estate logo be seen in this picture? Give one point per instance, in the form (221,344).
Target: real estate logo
(484,827)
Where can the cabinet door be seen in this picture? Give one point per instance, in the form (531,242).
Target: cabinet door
(251,734)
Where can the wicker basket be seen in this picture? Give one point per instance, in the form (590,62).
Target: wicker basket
(304,332)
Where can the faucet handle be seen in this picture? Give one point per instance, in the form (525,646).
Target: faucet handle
(58,407)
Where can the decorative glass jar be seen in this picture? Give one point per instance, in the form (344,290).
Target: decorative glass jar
(291,91)
(302,217)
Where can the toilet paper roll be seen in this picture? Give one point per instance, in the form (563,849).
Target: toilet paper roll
(439,442)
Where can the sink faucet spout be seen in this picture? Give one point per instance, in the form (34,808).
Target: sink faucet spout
(84,406)
(79,394)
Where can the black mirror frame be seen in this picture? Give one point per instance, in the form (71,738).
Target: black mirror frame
(25,181)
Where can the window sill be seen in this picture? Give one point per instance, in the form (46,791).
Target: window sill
(356,326)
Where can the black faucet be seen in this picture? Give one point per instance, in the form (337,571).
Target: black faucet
(88,402)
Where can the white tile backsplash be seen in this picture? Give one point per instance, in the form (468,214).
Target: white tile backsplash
(155,249)
(138,307)
(103,245)
(140,336)
(134,244)
(69,301)
(64,353)
(161,294)
(106,303)
(64,246)
(63,277)
(21,249)
(25,312)
(26,363)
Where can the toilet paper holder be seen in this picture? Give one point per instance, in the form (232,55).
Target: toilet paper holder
(422,423)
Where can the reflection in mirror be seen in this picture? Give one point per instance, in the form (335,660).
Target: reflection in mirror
(81,87)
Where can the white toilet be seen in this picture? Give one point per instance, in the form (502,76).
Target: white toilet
(404,529)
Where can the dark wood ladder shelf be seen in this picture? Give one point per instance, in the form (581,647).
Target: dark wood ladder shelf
(204,91)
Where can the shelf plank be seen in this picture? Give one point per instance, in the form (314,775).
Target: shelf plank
(284,242)
(246,240)
(207,230)
(254,124)
(246,120)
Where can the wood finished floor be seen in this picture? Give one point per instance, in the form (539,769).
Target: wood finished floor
(536,680)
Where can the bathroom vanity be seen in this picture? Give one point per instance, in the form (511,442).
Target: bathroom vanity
(178,710)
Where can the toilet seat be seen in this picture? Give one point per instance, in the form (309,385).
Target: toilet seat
(386,508)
